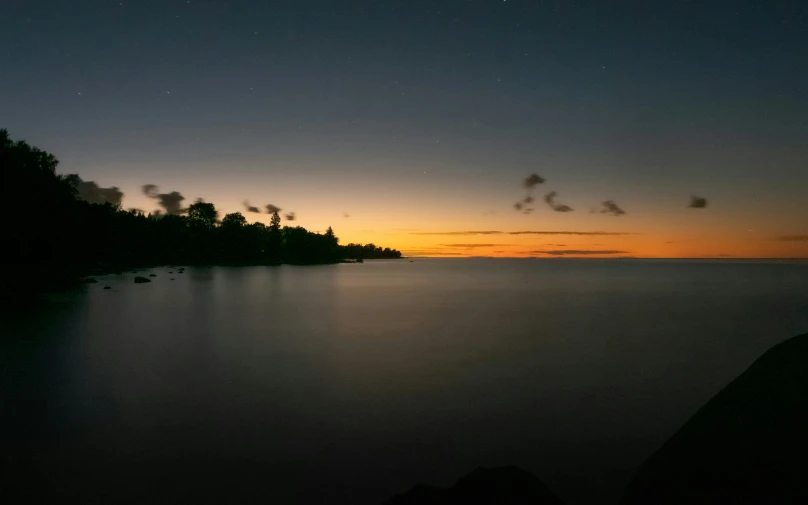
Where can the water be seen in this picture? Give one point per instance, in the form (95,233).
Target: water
(347,383)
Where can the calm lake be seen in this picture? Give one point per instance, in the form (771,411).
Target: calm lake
(347,383)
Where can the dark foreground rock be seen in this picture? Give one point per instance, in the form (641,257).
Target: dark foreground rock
(748,444)
(152,275)
(140,280)
(107,287)
(507,485)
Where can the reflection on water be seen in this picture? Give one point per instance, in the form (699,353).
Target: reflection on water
(346,383)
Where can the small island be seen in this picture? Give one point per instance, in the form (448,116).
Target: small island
(64,237)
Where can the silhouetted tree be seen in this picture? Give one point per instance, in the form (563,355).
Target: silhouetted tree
(62,236)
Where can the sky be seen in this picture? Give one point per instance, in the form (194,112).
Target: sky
(415,124)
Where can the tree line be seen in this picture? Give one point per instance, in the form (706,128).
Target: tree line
(51,235)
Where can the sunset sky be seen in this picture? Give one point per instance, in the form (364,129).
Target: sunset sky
(413,124)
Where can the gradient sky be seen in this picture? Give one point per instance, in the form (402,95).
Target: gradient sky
(410,123)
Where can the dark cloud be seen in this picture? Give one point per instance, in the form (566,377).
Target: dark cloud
(250,208)
(793,238)
(609,207)
(457,233)
(697,202)
(587,233)
(532,180)
(558,207)
(472,245)
(170,202)
(346,215)
(528,199)
(527,211)
(518,206)
(150,190)
(271,209)
(577,252)
(433,253)
(93,193)
(290,216)
(527,232)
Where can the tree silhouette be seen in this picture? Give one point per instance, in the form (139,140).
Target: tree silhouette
(62,236)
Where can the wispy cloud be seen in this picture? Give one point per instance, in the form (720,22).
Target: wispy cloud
(457,233)
(525,232)
(793,238)
(433,253)
(578,252)
(587,233)
(532,180)
(609,207)
(473,245)
(558,207)
(251,208)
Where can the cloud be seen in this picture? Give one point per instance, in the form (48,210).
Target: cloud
(251,208)
(697,202)
(170,202)
(150,190)
(527,232)
(587,233)
(346,215)
(457,233)
(532,180)
(473,245)
(577,252)
(558,207)
(609,207)
(518,206)
(271,209)
(793,238)
(433,253)
(290,216)
(528,199)
(93,193)
(527,211)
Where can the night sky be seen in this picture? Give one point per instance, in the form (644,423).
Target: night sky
(412,123)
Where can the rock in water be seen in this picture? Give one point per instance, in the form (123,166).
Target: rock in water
(748,444)
(507,485)
(152,275)
(141,280)
(107,287)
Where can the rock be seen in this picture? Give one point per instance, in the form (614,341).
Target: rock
(89,280)
(171,272)
(141,280)
(107,287)
(180,272)
(360,260)
(506,485)
(152,275)
(747,445)
(171,279)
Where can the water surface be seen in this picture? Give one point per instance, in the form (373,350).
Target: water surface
(347,383)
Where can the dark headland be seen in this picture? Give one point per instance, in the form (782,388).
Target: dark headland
(65,236)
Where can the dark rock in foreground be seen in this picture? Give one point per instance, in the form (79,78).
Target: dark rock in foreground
(152,275)
(747,445)
(107,287)
(140,280)
(507,485)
